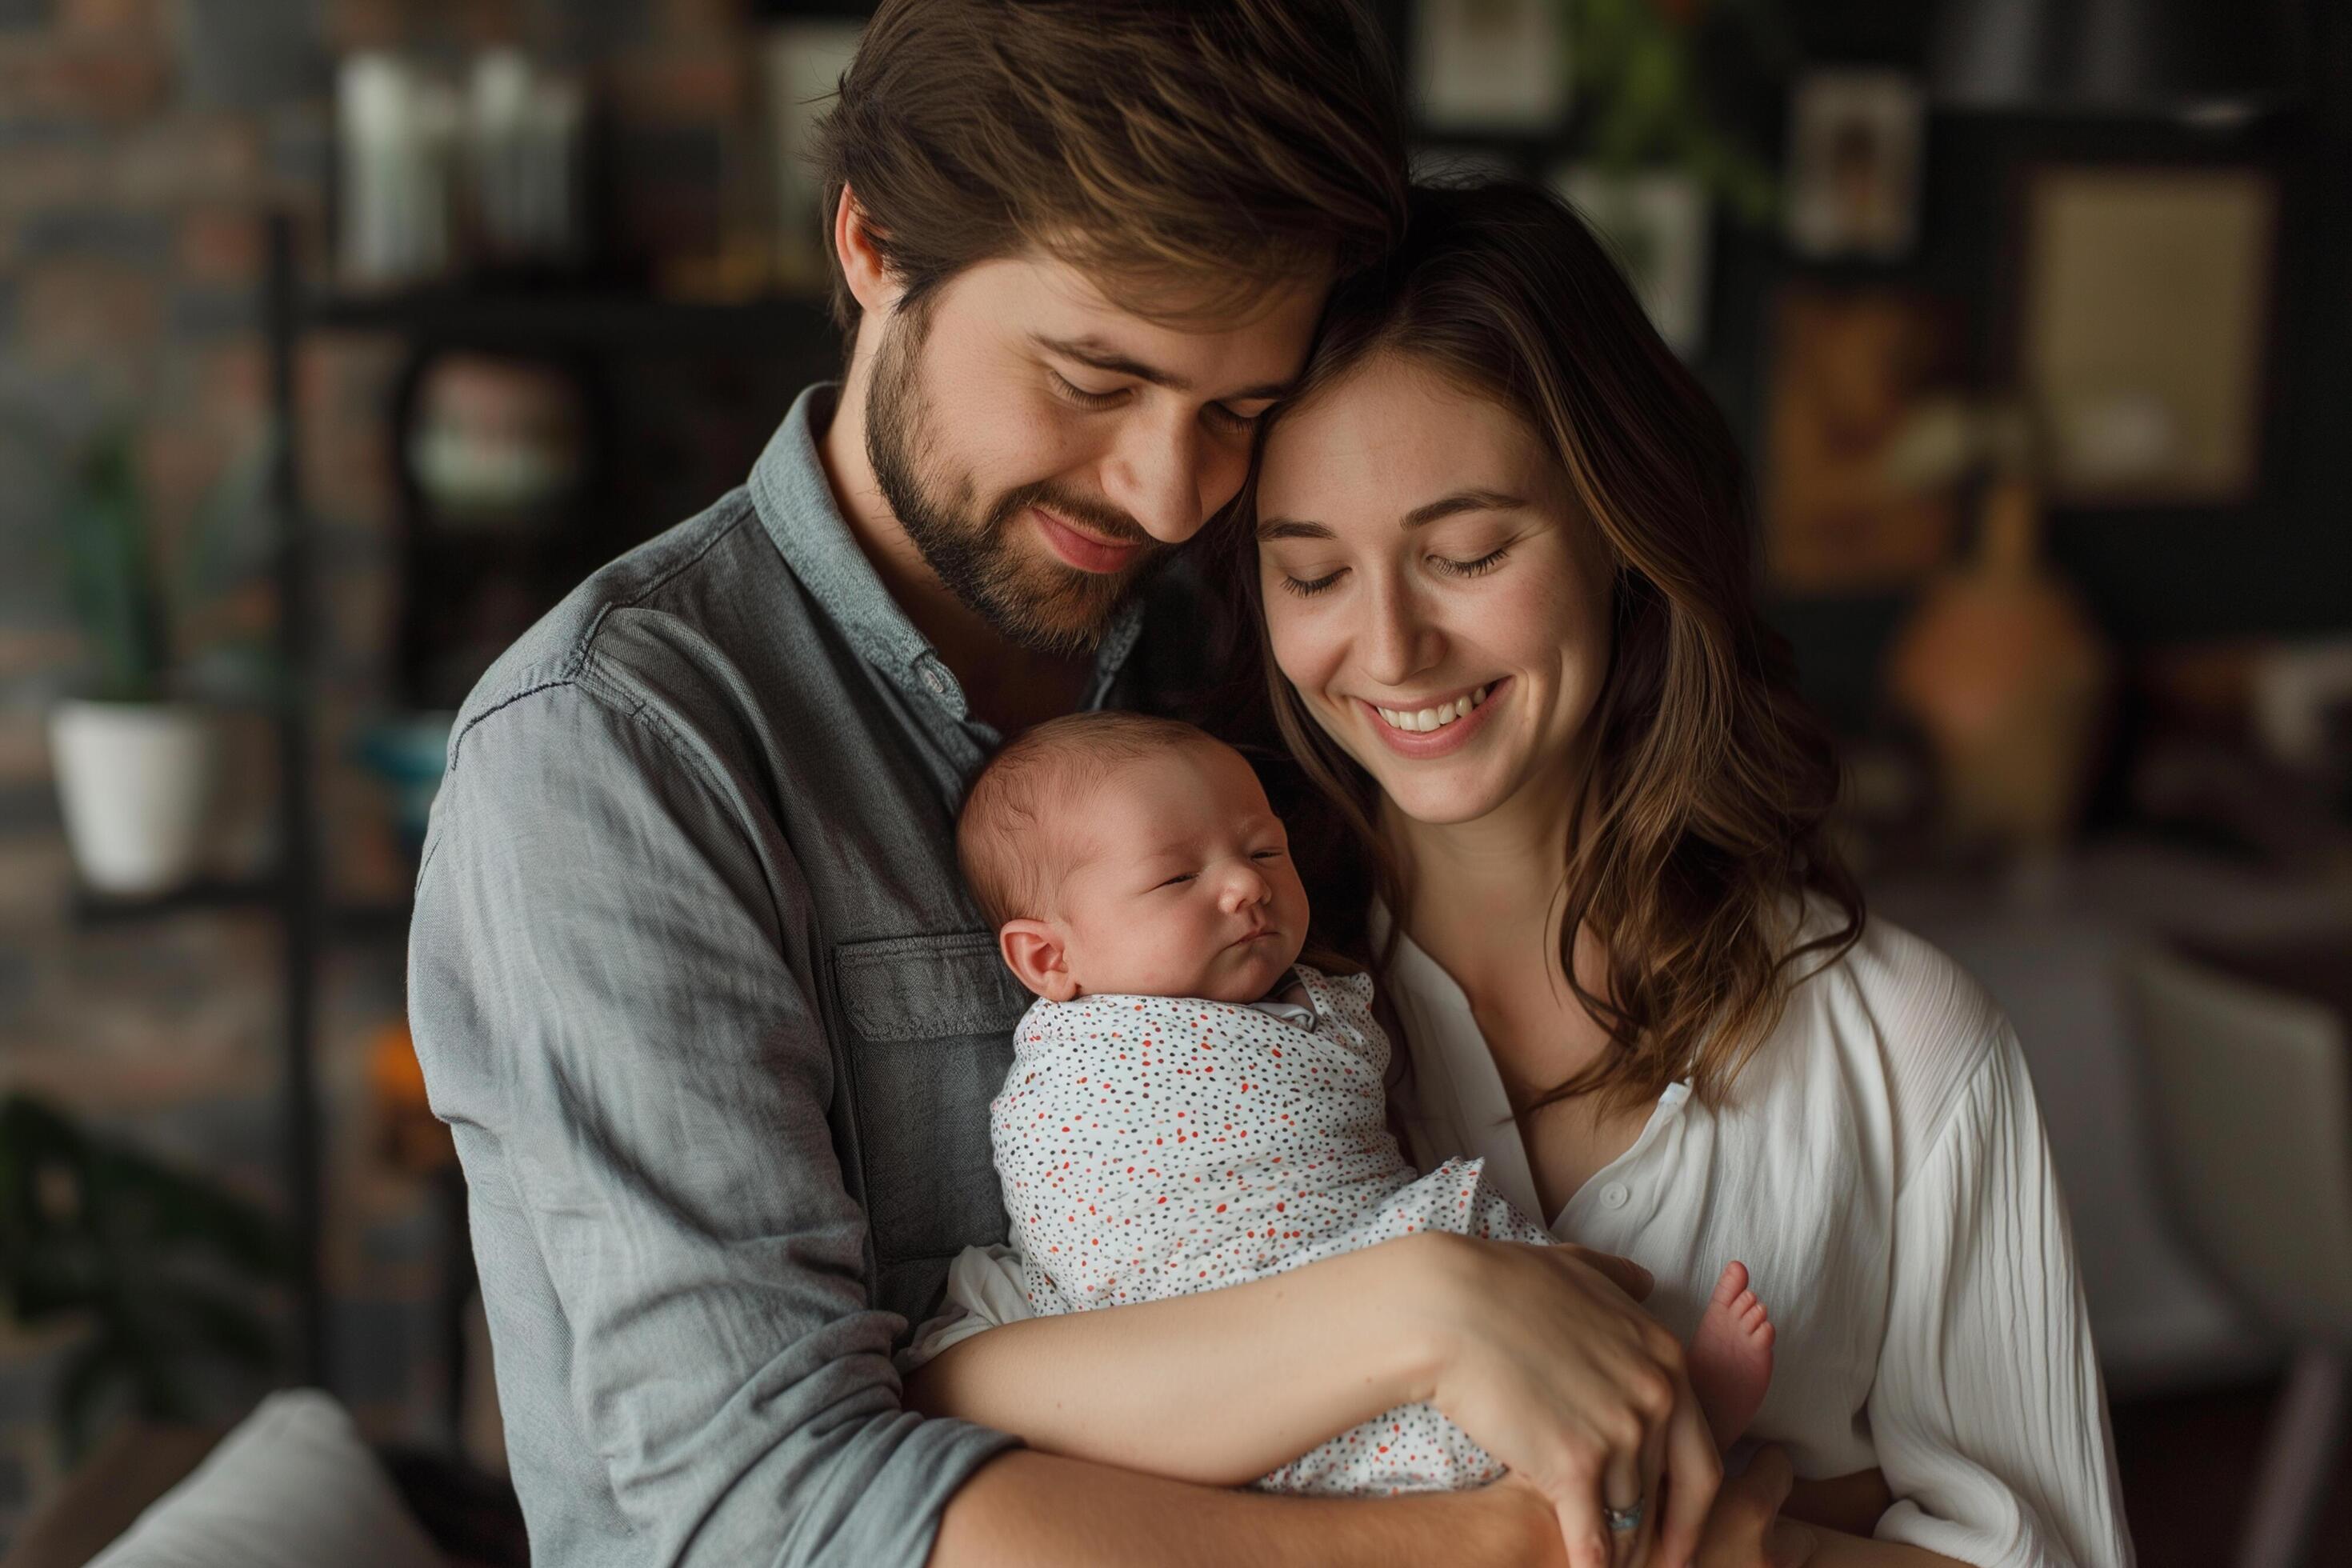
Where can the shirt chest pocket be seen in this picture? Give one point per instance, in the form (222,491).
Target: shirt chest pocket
(930,1025)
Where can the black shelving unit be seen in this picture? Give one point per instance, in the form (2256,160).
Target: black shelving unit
(608,324)
(578,323)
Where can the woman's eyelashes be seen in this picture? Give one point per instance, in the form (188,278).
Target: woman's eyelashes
(1307,587)
(1478,568)
(1216,414)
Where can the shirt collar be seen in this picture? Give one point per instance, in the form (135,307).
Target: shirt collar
(796,505)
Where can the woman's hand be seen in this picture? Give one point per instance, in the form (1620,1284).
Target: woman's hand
(1745,1529)
(1540,1355)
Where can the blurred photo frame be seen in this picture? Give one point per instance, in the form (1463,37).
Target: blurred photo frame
(801,62)
(1660,226)
(1854,372)
(1854,148)
(2144,314)
(1494,66)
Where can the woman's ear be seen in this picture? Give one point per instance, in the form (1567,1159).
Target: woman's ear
(863,266)
(1034,952)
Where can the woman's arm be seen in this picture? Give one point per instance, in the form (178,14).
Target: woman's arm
(1987,1414)
(1538,1352)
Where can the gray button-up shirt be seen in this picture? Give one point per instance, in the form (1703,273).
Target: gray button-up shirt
(716,1024)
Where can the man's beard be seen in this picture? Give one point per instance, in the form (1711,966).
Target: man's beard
(1042,605)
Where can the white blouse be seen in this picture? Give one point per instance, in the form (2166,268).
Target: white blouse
(1880,1167)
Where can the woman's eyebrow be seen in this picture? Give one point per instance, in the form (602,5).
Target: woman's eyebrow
(1459,501)
(1270,528)
(1290,527)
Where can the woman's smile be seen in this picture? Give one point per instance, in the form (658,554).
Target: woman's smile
(1434,729)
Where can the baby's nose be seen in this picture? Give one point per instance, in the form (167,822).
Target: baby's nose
(1244,888)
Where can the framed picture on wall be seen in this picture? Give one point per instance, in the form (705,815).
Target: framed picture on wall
(2145,310)
(1659,224)
(1854,372)
(1853,164)
(1495,65)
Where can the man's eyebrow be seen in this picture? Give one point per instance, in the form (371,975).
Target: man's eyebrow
(1270,528)
(1104,357)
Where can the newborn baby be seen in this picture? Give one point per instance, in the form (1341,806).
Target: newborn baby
(1189,1106)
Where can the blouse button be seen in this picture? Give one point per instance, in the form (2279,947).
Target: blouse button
(1614,1195)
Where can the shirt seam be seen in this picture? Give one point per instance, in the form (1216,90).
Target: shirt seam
(584,645)
(1970,1082)
(574,661)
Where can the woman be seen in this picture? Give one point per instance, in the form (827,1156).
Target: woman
(1625,964)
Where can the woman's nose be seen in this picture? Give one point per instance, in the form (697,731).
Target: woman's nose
(1398,644)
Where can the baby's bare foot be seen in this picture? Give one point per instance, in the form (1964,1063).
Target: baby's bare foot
(1731,1356)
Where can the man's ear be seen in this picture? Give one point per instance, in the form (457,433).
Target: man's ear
(1034,953)
(862,266)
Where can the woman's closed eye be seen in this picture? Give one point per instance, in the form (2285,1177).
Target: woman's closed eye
(1307,587)
(1478,568)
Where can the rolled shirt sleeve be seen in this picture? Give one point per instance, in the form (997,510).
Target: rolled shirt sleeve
(1988,1414)
(611,988)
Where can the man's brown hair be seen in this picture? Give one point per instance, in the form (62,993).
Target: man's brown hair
(1204,148)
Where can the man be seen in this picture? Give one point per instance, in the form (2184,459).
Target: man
(692,975)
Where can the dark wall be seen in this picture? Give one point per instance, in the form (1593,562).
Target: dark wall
(2279,567)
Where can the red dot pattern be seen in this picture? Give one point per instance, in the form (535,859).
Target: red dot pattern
(1151,1147)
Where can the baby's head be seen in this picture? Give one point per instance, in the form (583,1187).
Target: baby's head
(1119,853)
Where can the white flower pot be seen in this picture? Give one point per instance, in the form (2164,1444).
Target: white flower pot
(136,783)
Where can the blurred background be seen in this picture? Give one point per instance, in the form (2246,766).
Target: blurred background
(339,337)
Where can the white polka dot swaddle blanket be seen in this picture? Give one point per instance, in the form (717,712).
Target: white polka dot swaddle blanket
(1155,1146)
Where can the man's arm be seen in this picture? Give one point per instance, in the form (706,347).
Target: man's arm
(612,1003)
(1037,1510)
(1215,1388)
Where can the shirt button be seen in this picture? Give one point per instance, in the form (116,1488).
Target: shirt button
(936,679)
(1614,1195)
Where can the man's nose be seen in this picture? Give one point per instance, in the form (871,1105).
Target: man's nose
(1155,475)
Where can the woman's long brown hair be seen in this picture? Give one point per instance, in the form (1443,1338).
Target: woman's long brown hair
(1704,805)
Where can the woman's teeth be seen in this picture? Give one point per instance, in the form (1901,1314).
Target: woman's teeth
(1424,719)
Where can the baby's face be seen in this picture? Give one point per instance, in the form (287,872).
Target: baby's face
(1183,885)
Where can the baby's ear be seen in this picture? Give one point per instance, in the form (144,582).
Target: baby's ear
(1034,953)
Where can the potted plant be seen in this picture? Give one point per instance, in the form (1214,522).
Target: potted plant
(165,1269)
(136,762)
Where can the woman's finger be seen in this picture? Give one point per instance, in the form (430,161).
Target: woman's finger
(1654,1481)
(1694,1473)
(1582,1529)
(1623,1490)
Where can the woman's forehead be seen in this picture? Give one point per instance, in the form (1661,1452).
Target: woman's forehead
(1390,440)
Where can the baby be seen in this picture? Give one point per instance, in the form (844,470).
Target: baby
(1189,1106)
